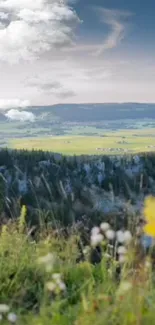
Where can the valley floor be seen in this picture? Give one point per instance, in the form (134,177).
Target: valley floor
(116,142)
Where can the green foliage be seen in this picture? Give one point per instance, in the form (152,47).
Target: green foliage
(91,293)
(2,194)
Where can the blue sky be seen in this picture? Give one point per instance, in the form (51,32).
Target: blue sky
(76,51)
(140,25)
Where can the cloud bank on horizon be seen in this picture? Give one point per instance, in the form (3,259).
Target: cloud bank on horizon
(23,116)
(73,51)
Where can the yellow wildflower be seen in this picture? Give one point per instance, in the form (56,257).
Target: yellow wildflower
(149,213)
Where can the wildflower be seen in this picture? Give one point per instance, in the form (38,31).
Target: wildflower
(22,218)
(110,234)
(95,230)
(86,250)
(122,258)
(56,276)
(12,318)
(4,308)
(139,231)
(96,239)
(51,286)
(124,287)
(120,236)
(122,250)
(57,285)
(149,213)
(62,286)
(127,236)
(47,260)
(148,265)
(104,226)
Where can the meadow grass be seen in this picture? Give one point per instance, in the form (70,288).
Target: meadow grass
(132,140)
(42,283)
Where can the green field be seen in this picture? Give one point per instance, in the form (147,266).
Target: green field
(116,142)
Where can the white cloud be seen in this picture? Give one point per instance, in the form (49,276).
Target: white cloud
(34,28)
(13,103)
(116,20)
(3,16)
(16,115)
(39,28)
(49,86)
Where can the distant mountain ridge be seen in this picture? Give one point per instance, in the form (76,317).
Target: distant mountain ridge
(74,119)
(95,112)
(89,112)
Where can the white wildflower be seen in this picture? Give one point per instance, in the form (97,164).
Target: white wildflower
(110,234)
(122,250)
(127,237)
(56,276)
(12,318)
(62,286)
(124,287)
(48,261)
(51,286)
(86,250)
(104,226)
(120,236)
(96,239)
(110,246)
(4,308)
(95,230)
(148,264)
(122,258)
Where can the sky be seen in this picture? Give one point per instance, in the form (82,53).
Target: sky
(84,51)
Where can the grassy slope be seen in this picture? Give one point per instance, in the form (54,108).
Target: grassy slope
(92,294)
(88,144)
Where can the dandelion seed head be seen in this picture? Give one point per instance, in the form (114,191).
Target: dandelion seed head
(127,236)
(110,234)
(12,318)
(95,230)
(120,236)
(121,250)
(96,239)
(4,308)
(104,226)
(122,258)
(86,250)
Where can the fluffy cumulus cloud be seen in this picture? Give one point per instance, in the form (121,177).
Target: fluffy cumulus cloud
(13,103)
(16,115)
(29,28)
